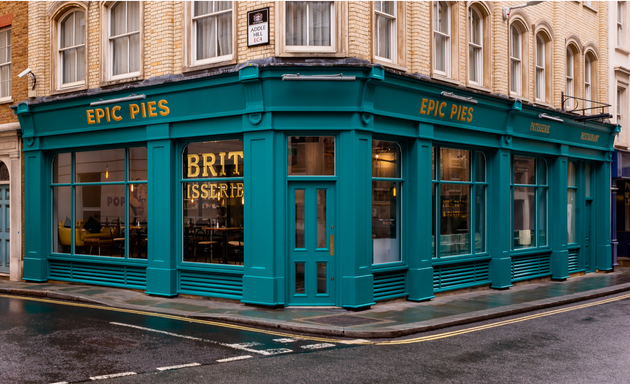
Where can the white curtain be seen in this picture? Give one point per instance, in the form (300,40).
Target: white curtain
(319,23)
(224,34)
(213,33)
(384,27)
(125,18)
(72,34)
(296,23)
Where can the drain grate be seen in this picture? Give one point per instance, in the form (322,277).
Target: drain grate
(343,320)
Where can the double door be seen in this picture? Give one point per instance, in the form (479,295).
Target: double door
(311,273)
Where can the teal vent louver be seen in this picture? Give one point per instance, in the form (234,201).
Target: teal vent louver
(573,260)
(389,285)
(530,266)
(449,277)
(229,286)
(95,273)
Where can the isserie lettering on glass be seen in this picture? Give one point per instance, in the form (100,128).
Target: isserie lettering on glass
(142,110)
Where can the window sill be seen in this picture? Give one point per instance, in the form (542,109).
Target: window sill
(622,51)
(290,53)
(6,100)
(479,87)
(201,67)
(389,64)
(130,79)
(591,8)
(542,104)
(514,96)
(445,79)
(74,88)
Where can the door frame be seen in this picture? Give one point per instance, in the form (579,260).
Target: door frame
(331,221)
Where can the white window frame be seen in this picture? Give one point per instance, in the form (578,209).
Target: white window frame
(193,35)
(446,36)
(314,48)
(476,47)
(7,63)
(516,77)
(393,49)
(570,78)
(621,10)
(110,44)
(540,75)
(60,61)
(588,72)
(621,101)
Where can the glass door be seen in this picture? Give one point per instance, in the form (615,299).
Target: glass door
(311,243)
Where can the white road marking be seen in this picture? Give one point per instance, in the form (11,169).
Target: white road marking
(60,382)
(104,377)
(234,358)
(178,366)
(284,340)
(240,346)
(318,346)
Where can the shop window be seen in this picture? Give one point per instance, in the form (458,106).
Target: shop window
(311,156)
(387,192)
(5,63)
(124,39)
(459,202)
(571,201)
(529,202)
(213,202)
(389,22)
(210,33)
(108,190)
(71,56)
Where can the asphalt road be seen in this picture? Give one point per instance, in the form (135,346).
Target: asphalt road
(588,345)
(43,342)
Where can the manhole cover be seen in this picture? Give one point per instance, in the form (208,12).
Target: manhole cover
(343,320)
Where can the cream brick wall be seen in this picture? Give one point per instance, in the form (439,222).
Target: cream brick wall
(164,40)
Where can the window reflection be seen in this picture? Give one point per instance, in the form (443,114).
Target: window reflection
(312,155)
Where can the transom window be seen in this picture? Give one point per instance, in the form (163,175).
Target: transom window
(459,202)
(386,201)
(441,37)
(5,62)
(475,46)
(385,29)
(213,202)
(72,48)
(529,202)
(100,203)
(309,23)
(124,38)
(311,156)
(516,61)
(212,31)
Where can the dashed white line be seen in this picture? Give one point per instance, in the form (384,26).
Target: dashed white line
(158,331)
(178,366)
(284,340)
(104,377)
(268,352)
(318,346)
(234,358)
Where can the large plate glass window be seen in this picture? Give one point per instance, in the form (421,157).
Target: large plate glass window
(459,202)
(100,203)
(386,202)
(213,202)
(529,202)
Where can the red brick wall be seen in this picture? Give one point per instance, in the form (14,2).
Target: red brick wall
(19,54)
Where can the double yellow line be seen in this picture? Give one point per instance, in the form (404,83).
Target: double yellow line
(329,340)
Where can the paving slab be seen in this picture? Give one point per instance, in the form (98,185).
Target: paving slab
(383,320)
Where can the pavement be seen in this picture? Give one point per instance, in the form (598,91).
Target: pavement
(384,320)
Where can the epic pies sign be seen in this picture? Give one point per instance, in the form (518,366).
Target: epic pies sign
(258,27)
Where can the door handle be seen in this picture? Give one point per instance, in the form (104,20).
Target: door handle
(332,245)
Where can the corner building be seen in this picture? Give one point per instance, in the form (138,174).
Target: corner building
(369,151)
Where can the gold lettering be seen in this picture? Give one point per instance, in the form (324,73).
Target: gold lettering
(107,114)
(208,164)
(453,111)
(90,116)
(195,191)
(213,192)
(164,109)
(235,155)
(151,108)
(222,156)
(193,162)
(204,191)
(224,190)
(99,115)
(423,106)
(188,191)
(431,106)
(144,112)
(116,108)
(133,110)
(239,191)
(442,105)
(469,119)
(464,108)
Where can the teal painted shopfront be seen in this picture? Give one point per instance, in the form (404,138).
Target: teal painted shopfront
(255,186)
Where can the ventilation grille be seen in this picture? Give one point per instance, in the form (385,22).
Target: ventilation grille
(93,273)
(531,266)
(389,285)
(211,284)
(448,277)
(573,260)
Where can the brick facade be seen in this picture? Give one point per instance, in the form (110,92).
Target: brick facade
(164,50)
(19,54)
